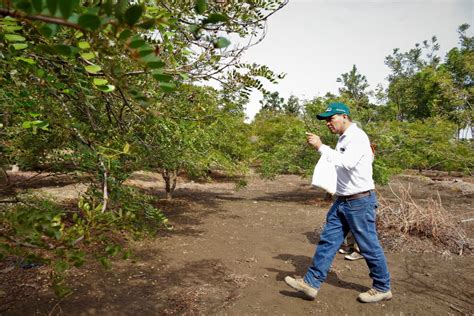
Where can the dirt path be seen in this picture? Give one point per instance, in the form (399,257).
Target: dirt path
(230,251)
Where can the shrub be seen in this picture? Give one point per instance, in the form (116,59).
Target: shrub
(398,221)
(428,144)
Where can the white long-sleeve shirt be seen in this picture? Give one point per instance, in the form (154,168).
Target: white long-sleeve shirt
(353,159)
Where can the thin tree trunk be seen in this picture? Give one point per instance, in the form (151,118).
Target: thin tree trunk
(101,162)
(170,182)
(5,176)
(105,198)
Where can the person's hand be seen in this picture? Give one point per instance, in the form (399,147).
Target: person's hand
(314,140)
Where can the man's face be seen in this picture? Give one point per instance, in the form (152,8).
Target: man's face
(335,123)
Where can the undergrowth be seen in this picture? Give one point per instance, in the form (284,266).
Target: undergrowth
(403,222)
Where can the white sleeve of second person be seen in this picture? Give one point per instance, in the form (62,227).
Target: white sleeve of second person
(347,160)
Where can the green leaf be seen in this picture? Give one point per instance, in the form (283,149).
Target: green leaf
(98,207)
(133,14)
(150,58)
(9,21)
(52,6)
(74,18)
(61,290)
(44,126)
(109,6)
(162,77)
(201,6)
(105,262)
(106,88)
(23,5)
(43,48)
(64,50)
(14,38)
(89,21)
(26,60)
(36,124)
(215,18)
(125,34)
(221,42)
(57,233)
(120,8)
(148,24)
(20,46)
(184,76)
(144,51)
(60,266)
(93,69)
(88,56)
(37,5)
(126,148)
(84,45)
(194,28)
(127,254)
(78,258)
(13,28)
(48,30)
(167,86)
(113,249)
(100,82)
(136,42)
(155,64)
(67,6)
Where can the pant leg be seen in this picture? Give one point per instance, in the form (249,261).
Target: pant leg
(330,240)
(360,217)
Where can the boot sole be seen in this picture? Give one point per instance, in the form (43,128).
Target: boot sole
(384,299)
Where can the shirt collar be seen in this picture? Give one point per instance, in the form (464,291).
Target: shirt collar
(350,130)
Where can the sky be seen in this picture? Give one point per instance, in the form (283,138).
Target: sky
(315,41)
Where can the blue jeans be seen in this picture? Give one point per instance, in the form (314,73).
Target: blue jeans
(357,216)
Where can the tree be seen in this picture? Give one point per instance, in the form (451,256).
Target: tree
(272,102)
(194,130)
(459,63)
(354,90)
(292,106)
(420,145)
(280,141)
(280,146)
(404,67)
(91,61)
(79,77)
(423,87)
(354,85)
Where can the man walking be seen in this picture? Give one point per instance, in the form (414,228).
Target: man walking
(353,209)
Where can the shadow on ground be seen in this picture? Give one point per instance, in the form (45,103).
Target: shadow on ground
(295,196)
(301,264)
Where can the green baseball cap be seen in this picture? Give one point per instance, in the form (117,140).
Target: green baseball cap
(334,108)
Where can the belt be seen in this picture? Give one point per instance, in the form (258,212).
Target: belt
(353,196)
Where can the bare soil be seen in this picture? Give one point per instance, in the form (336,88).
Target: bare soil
(230,250)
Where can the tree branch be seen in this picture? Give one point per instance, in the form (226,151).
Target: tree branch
(105,189)
(42,18)
(19,243)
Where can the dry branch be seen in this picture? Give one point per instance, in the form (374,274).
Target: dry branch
(406,218)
